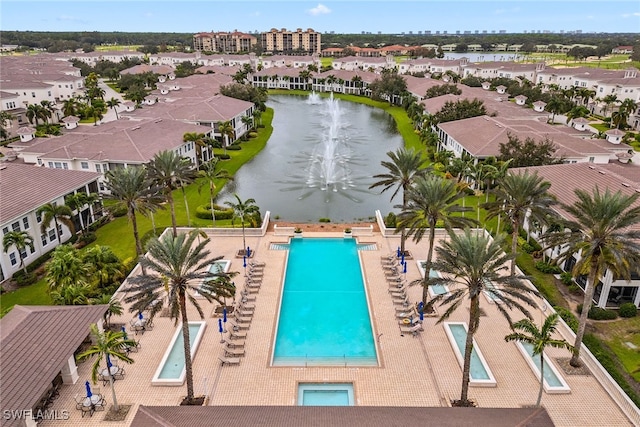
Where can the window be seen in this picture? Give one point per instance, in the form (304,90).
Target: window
(48,93)
(11,105)
(84,165)
(12,258)
(33,94)
(39,217)
(5,230)
(43,238)
(98,168)
(16,226)
(25,223)
(23,253)
(592,159)
(52,235)
(32,250)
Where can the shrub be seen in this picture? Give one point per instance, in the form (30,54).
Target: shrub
(253,134)
(324,220)
(204,212)
(597,313)
(87,238)
(566,278)
(223,156)
(39,262)
(390,220)
(570,319)
(24,279)
(574,288)
(234,147)
(628,309)
(545,267)
(118,211)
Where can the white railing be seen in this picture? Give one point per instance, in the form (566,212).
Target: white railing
(283,231)
(386,232)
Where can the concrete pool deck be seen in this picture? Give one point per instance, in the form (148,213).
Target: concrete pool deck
(417,371)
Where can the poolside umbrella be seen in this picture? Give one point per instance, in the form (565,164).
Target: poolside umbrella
(398,252)
(402,258)
(404,268)
(248,251)
(244,261)
(124,330)
(88,387)
(109,364)
(140,316)
(221,330)
(421,311)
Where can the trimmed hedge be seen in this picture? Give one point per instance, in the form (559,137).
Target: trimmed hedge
(597,313)
(204,212)
(234,147)
(24,279)
(118,211)
(390,220)
(628,309)
(223,156)
(545,267)
(569,318)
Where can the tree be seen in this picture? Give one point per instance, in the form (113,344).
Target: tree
(605,235)
(473,261)
(169,171)
(211,173)
(389,86)
(57,214)
(245,211)
(107,344)
(21,240)
(132,189)
(4,118)
(539,340)
(104,265)
(403,169)
(66,268)
(36,112)
(577,112)
(79,200)
(227,131)
(609,100)
(521,196)
(181,269)
(77,294)
(458,110)
(528,152)
(113,103)
(430,200)
(114,307)
(198,140)
(248,122)
(627,107)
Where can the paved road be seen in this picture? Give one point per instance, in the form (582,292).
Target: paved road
(109,93)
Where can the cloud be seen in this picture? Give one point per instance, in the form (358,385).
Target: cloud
(628,15)
(69,18)
(320,9)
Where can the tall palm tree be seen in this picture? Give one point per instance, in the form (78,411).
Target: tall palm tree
(21,240)
(79,200)
(539,340)
(69,107)
(57,214)
(106,345)
(473,262)
(431,199)
(77,294)
(131,188)
(555,106)
(403,169)
(35,112)
(246,212)
(198,140)
(257,116)
(170,172)
(227,131)
(5,117)
(113,103)
(627,107)
(518,197)
(114,307)
(211,173)
(248,122)
(608,101)
(606,235)
(66,268)
(181,267)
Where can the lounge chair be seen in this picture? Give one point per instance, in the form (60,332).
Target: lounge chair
(246,298)
(406,313)
(243,306)
(415,329)
(238,326)
(257,264)
(401,302)
(243,313)
(237,335)
(242,319)
(398,289)
(229,360)
(234,343)
(253,283)
(234,352)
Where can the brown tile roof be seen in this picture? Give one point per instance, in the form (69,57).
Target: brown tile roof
(24,188)
(35,343)
(352,416)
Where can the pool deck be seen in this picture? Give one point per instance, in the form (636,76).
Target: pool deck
(414,371)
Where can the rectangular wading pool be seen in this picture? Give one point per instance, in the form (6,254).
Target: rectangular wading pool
(553,381)
(479,373)
(437,289)
(171,371)
(323,394)
(324,314)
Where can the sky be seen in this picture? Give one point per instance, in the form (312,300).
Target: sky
(355,16)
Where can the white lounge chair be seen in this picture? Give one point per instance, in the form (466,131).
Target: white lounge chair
(229,360)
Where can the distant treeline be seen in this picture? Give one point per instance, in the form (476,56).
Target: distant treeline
(60,41)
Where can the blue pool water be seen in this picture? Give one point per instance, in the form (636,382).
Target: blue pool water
(549,376)
(477,369)
(325,395)
(324,318)
(438,288)
(174,364)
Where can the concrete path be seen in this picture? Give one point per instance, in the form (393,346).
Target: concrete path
(109,93)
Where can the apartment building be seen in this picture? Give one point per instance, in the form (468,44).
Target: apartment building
(284,41)
(226,42)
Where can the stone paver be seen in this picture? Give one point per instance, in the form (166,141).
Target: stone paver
(413,371)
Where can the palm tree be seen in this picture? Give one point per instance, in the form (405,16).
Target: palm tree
(21,240)
(69,107)
(554,106)
(403,169)
(605,234)
(181,267)
(210,173)
(79,200)
(627,107)
(608,101)
(170,172)
(113,103)
(104,264)
(66,268)
(4,118)
(248,122)
(199,141)
(131,188)
(35,112)
(227,131)
(246,212)
(473,261)
(47,109)
(257,116)
(576,112)
(71,294)
(539,340)
(107,344)
(114,307)
(431,199)
(521,196)
(57,214)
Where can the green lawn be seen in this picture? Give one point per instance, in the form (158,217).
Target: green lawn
(616,334)
(35,294)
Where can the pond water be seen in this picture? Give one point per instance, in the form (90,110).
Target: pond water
(320,161)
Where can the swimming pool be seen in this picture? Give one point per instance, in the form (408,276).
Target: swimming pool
(324,316)
(479,373)
(553,381)
(171,370)
(323,394)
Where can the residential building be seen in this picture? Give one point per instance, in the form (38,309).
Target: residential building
(283,41)
(225,42)
(24,189)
